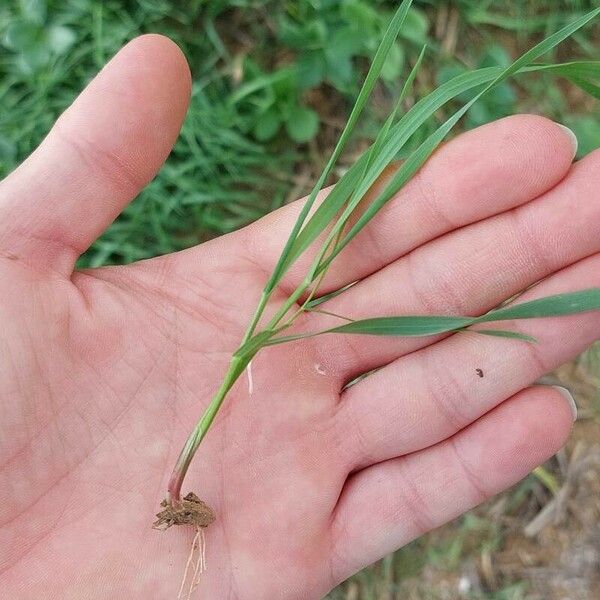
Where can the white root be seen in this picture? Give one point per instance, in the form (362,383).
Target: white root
(195,580)
(203,542)
(197,554)
(187,566)
(250,381)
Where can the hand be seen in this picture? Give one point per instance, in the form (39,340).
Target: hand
(103,372)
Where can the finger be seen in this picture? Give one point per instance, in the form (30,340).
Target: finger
(429,395)
(100,153)
(387,505)
(471,270)
(480,173)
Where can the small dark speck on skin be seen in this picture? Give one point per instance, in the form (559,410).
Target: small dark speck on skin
(479,372)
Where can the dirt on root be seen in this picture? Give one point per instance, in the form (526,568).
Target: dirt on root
(190,511)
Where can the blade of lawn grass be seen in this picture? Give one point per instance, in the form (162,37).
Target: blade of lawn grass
(515,335)
(382,136)
(259,83)
(551,306)
(586,69)
(405,326)
(411,165)
(367,179)
(580,73)
(424,325)
(374,149)
(398,136)
(326,297)
(372,76)
(590,88)
(418,158)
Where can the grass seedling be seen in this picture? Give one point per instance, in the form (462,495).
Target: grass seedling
(342,215)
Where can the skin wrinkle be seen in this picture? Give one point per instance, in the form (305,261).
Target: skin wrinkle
(49,267)
(338,563)
(196,311)
(132,399)
(51,529)
(8,257)
(446,300)
(54,408)
(360,456)
(53,484)
(333,554)
(528,246)
(100,159)
(54,529)
(28,508)
(9,347)
(533,355)
(425,184)
(447,396)
(423,299)
(480,493)
(76,466)
(413,502)
(149,305)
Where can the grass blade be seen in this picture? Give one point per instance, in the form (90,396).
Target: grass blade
(405,326)
(402,132)
(373,75)
(581,73)
(418,158)
(368,178)
(515,335)
(551,306)
(423,325)
(321,299)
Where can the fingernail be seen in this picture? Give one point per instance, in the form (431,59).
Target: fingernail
(566,394)
(572,137)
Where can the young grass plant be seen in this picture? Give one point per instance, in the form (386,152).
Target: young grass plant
(342,215)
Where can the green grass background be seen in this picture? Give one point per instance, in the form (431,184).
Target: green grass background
(272,82)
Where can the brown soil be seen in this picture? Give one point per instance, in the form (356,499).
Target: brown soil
(190,511)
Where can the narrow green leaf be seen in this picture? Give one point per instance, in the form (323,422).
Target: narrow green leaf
(424,325)
(372,76)
(419,156)
(506,334)
(321,299)
(382,136)
(551,306)
(400,134)
(586,69)
(581,73)
(404,326)
(254,344)
(366,179)
(587,86)
(259,83)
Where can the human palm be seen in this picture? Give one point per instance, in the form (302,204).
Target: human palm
(103,372)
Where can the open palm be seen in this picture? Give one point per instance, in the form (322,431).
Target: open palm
(103,372)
